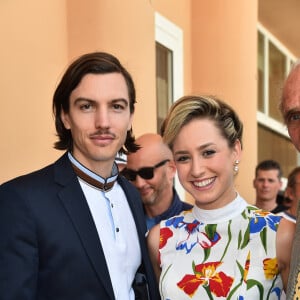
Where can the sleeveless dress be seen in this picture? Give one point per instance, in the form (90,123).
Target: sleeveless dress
(226,253)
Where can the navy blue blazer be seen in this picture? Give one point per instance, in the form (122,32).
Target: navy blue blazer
(49,245)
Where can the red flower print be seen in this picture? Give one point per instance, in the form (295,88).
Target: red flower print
(190,227)
(165,234)
(206,275)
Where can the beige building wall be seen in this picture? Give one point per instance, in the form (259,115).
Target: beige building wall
(40,38)
(224,63)
(32,53)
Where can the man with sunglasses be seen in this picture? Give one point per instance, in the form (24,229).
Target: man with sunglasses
(152,169)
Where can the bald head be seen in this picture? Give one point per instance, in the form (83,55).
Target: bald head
(291,90)
(290,104)
(152,150)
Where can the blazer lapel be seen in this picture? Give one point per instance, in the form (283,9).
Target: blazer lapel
(77,208)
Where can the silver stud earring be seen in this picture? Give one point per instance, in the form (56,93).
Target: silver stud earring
(236,166)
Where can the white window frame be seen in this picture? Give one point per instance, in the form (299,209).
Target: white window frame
(171,36)
(264,118)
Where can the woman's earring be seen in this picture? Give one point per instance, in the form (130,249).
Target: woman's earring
(236,166)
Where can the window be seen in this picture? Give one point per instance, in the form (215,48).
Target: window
(277,74)
(164,82)
(169,71)
(169,64)
(274,62)
(261,72)
(284,152)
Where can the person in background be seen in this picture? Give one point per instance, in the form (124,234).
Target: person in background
(74,230)
(121,161)
(267,183)
(292,192)
(223,248)
(282,200)
(152,169)
(290,109)
(290,104)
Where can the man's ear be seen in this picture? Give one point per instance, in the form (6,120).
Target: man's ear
(172,168)
(130,122)
(65,119)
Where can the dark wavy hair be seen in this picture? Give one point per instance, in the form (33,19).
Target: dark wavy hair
(90,63)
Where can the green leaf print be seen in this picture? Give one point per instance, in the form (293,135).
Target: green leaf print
(239,239)
(206,254)
(207,289)
(246,238)
(239,284)
(229,239)
(252,283)
(263,238)
(162,279)
(210,231)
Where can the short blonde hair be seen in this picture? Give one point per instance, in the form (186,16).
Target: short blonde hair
(189,108)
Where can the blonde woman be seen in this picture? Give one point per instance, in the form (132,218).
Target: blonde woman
(223,248)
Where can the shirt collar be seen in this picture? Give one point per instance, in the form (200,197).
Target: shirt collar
(104,184)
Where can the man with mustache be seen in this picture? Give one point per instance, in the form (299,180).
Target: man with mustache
(75,229)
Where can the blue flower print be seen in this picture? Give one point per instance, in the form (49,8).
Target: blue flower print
(263,219)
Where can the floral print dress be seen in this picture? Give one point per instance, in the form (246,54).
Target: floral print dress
(226,253)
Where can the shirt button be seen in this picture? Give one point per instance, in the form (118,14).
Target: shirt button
(117,229)
(112,205)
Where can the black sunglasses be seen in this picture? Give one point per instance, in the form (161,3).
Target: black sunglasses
(145,173)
